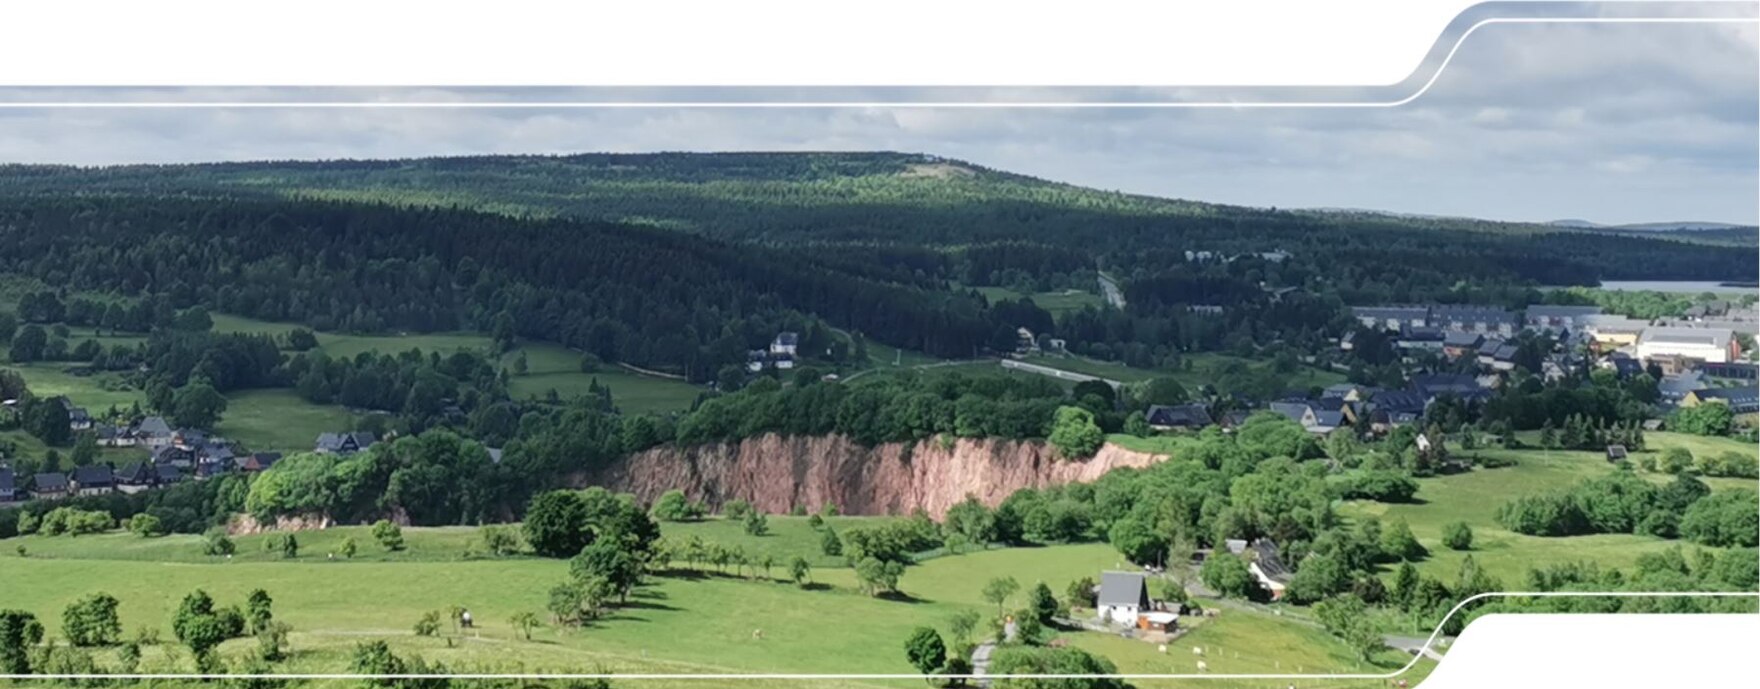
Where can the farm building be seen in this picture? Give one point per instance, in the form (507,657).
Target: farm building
(1123,596)
(1267,567)
(344,443)
(51,485)
(1185,416)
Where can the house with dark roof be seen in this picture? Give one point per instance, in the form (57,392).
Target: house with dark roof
(1423,337)
(1674,388)
(9,491)
(1299,412)
(135,477)
(108,436)
(1735,370)
(344,443)
(1624,366)
(1268,568)
(1504,359)
(256,461)
(78,418)
(1432,384)
(1123,596)
(173,455)
(50,485)
(1740,400)
(93,479)
(153,431)
(785,343)
(1182,416)
(1456,343)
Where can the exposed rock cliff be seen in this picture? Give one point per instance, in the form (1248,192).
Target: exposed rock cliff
(776,473)
(243,524)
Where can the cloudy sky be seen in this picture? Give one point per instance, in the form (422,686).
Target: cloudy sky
(1610,123)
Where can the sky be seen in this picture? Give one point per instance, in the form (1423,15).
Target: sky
(1608,123)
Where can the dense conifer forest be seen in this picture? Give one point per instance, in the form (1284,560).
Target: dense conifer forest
(683,262)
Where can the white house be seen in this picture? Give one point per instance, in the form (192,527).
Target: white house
(1714,345)
(1267,567)
(1123,596)
(785,344)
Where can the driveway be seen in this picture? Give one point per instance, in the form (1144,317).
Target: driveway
(981,662)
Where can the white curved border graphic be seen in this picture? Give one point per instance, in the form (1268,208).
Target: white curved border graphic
(956,104)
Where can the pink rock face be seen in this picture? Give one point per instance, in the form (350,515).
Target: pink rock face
(243,524)
(775,473)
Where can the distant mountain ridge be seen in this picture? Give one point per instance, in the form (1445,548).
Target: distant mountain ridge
(1666,226)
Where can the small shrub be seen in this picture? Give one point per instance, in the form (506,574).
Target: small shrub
(1457,536)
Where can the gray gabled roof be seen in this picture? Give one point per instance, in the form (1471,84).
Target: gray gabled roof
(154,426)
(1123,588)
(50,481)
(93,475)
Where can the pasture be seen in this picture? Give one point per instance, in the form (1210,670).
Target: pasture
(548,366)
(686,621)
(1056,302)
(1474,497)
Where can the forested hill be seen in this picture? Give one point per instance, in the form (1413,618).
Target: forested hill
(684,261)
(891,197)
(626,293)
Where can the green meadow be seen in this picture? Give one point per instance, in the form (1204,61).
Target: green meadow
(548,366)
(1475,496)
(1057,302)
(686,621)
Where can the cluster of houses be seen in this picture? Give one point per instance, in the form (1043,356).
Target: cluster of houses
(780,355)
(1698,355)
(1339,406)
(1027,343)
(176,455)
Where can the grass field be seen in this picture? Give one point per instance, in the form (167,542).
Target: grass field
(554,367)
(1475,496)
(548,366)
(699,623)
(1056,302)
(686,622)
(279,420)
(95,392)
(1241,641)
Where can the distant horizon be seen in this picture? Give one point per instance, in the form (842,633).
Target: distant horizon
(1617,123)
(1568,221)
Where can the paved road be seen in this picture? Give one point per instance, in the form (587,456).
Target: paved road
(981,662)
(1056,372)
(1110,290)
